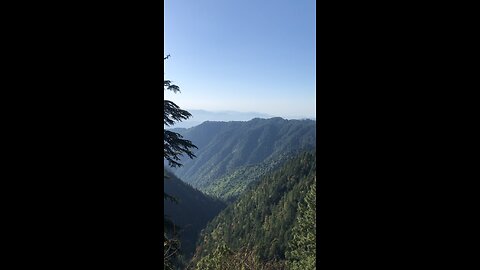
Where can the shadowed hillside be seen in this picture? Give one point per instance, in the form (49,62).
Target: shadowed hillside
(192,211)
(233,154)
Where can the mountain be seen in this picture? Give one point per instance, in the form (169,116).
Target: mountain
(231,155)
(265,218)
(231,185)
(200,116)
(191,212)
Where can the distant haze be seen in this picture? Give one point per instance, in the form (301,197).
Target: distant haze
(244,56)
(200,116)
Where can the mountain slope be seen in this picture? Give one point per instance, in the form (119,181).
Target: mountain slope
(302,248)
(263,217)
(231,185)
(200,116)
(191,213)
(224,147)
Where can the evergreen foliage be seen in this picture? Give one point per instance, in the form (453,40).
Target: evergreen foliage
(174,146)
(223,258)
(261,220)
(301,252)
(225,147)
(254,165)
(231,185)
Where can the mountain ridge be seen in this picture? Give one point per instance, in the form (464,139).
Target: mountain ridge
(200,116)
(223,147)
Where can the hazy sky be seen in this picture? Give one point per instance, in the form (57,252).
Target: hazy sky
(242,55)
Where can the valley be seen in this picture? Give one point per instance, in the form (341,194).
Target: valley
(242,191)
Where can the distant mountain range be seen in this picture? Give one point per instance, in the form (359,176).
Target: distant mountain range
(233,154)
(200,116)
(260,169)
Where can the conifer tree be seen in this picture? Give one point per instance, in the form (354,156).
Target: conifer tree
(302,247)
(224,258)
(174,146)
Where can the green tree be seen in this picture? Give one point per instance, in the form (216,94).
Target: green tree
(223,258)
(302,247)
(174,146)
(262,218)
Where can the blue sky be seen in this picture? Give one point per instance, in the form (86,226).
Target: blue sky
(242,55)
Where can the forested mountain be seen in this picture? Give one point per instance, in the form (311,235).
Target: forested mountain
(264,169)
(230,155)
(200,116)
(231,185)
(264,220)
(191,212)
(302,247)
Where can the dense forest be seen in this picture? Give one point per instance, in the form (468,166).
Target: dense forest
(239,194)
(248,212)
(240,161)
(230,155)
(274,222)
(231,185)
(245,190)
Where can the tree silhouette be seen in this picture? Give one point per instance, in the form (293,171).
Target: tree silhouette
(174,146)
